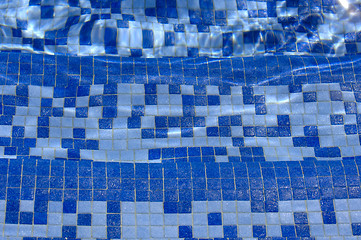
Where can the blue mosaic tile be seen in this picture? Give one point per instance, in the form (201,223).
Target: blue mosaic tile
(173,28)
(194,148)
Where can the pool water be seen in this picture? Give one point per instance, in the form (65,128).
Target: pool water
(180,120)
(178,28)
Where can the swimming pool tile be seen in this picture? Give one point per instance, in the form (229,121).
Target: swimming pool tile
(217,156)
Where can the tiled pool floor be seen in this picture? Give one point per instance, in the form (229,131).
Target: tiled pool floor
(181,28)
(105,148)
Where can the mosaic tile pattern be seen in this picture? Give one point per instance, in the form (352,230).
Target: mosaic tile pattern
(179,148)
(97,200)
(156,28)
(60,109)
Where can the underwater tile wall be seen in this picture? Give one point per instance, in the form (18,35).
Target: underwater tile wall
(182,28)
(172,119)
(179,148)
